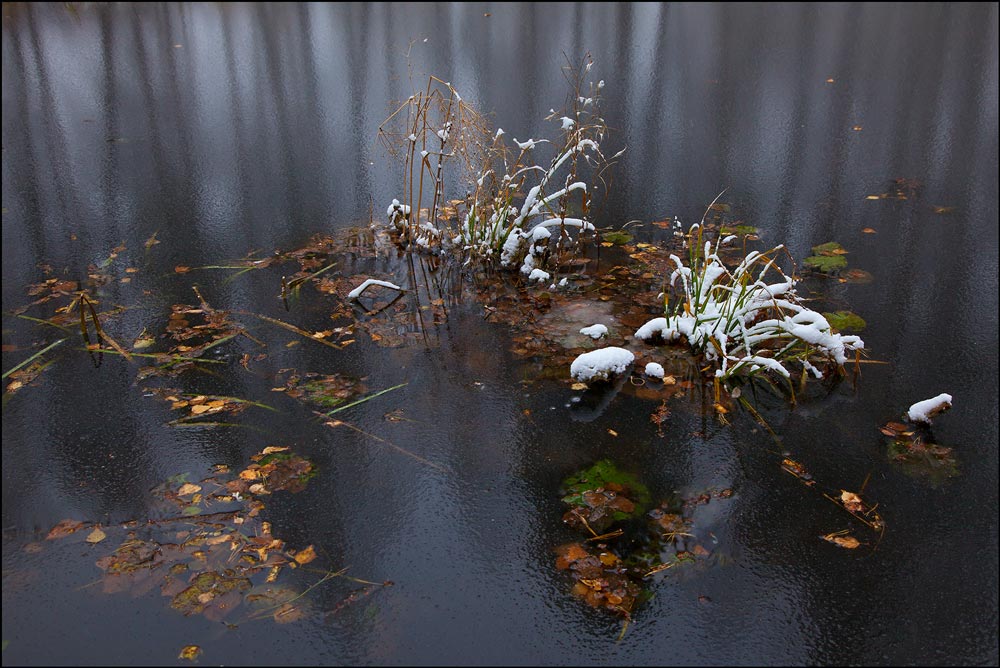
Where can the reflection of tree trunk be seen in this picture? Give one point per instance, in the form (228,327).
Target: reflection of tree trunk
(24,180)
(62,181)
(238,116)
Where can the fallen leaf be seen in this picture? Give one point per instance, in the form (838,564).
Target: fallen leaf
(190,652)
(851,501)
(188,488)
(273,448)
(868,230)
(943,209)
(578,386)
(64,528)
(844,541)
(305,556)
(180,269)
(96,536)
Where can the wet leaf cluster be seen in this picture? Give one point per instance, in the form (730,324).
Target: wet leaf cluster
(910,447)
(325,391)
(209,563)
(627,544)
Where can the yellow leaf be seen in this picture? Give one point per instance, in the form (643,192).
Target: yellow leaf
(273,448)
(578,386)
(190,652)
(305,556)
(188,488)
(96,536)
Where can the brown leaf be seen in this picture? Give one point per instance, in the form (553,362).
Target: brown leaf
(64,528)
(843,540)
(851,501)
(188,488)
(180,269)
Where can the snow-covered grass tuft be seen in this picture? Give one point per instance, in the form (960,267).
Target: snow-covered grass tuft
(923,411)
(520,198)
(745,320)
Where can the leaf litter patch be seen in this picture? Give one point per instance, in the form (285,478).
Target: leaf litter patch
(211,552)
(325,391)
(627,542)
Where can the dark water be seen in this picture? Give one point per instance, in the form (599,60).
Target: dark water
(229,128)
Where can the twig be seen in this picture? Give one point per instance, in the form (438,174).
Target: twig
(34,357)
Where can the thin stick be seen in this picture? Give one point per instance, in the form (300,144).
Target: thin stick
(364,399)
(45,322)
(174,358)
(340,423)
(301,332)
(34,357)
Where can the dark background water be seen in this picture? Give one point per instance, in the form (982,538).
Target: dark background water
(226,128)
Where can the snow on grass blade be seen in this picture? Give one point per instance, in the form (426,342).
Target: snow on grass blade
(923,411)
(356,292)
(740,321)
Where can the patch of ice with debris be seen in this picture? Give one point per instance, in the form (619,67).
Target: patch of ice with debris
(923,411)
(595,331)
(601,364)
(654,370)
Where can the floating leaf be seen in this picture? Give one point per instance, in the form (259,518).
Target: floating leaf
(739,230)
(65,528)
(306,555)
(618,238)
(96,536)
(851,501)
(826,263)
(829,248)
(845,321)
(190,652)
(855,276)
(843,540)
